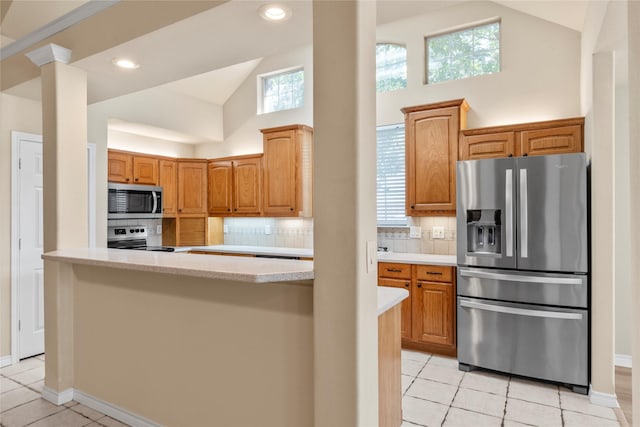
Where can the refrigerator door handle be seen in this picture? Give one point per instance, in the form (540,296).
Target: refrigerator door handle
(508,202)
(519,278)
(520,311)
(524,231)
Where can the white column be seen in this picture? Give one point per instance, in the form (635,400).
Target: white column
(345,295)
(634,202)
(64,115)
(603,230)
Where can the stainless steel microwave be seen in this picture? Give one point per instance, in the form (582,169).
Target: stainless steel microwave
(127,201)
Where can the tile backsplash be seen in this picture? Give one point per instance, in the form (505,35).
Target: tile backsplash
(281,232)
(397,239)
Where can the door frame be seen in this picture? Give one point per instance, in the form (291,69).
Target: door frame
(16,137)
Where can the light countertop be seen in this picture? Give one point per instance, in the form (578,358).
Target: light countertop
(255,250)
(256,270)
(410,258)
(390,297)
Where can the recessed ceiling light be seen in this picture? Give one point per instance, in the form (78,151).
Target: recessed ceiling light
(274,12)
(125,63)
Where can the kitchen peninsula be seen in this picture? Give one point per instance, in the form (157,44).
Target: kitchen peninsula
(188,339)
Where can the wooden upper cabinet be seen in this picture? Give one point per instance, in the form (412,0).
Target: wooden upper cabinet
(120,167)
(168,180)
(220,190)
(287,166)
(525,139)
(489,146)
(130,168)
(556,140)
(246,185)
(192,187)
(145,170)
(431,133)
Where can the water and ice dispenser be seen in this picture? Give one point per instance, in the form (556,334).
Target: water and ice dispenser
(484,231)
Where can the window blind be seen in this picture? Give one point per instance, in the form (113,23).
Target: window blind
(390,177)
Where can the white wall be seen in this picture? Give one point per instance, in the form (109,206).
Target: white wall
(24,115)
(242,124)
(143,144)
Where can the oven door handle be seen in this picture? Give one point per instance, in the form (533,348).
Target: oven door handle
(521,311)
(518,278)
(155,202)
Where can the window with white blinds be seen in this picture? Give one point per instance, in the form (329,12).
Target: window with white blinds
(390,177)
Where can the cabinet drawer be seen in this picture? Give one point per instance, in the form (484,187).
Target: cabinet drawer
(434,273)
(394,270)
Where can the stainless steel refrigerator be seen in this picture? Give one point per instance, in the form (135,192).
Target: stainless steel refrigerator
(522,249)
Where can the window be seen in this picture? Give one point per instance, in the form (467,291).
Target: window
(390,177)
(282,90)
(470,52)
(391,67)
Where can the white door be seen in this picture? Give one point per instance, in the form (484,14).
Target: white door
(30,234)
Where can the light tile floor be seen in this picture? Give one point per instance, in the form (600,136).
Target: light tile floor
(21,404)
(436,393)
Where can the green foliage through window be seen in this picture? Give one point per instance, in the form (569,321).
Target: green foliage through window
(467,53)
(283,91)
(391,67)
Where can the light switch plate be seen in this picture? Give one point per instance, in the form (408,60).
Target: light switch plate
(372,256)
(267,229)
(226,229)
(437,232)
(415,232)
(158,229)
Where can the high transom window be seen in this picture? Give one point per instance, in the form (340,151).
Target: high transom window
(466,53)
(391,67)
(282,90)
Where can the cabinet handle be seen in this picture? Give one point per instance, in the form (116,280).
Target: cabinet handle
(127,179)
(179,210)
(419,285)
(236,209)
(413,206)
(407,284)
(228,210)
(136,179)
(291,209)
(394,270)
(510,155)
(435,273)
(525,154)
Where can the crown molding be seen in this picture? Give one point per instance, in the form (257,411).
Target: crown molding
(49,53)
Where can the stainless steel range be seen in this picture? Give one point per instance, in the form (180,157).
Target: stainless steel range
(523,284)
(131,237)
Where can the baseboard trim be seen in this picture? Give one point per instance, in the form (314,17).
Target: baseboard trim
(113,411)
(57,398)
(6,361)
(623,360)
(603,399)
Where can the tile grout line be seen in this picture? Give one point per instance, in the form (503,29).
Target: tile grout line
(452,399)
(560,406)
(506,400)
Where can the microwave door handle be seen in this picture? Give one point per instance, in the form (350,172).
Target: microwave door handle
(524,220)
(155,201)
(508,202)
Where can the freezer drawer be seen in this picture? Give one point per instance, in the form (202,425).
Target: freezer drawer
(567,290)
(525,339)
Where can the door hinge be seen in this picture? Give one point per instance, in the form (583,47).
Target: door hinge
(19,325)
(20,244)
(20,163)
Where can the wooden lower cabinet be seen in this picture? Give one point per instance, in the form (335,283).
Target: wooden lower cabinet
(428,315)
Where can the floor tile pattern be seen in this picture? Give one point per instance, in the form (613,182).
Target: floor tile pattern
(21,404)
(436,393)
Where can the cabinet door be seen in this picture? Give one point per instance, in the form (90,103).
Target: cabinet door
(432,151)
(488,146)
(220,187)
(119,166)
(559,140)
(168,179)
(246,186)
(433,316)
(192,187)
(279,173)
(145,170)
(406,303)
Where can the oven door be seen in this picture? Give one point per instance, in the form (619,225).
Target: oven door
(535,341)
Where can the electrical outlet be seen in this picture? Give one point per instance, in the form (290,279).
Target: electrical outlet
(158,229)
(437,232)
(226,229)
(267,229)
(415,232)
